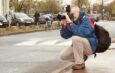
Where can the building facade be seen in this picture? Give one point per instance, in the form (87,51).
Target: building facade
(4,6)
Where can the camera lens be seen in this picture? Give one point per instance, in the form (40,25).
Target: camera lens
(68,8)
(60,17)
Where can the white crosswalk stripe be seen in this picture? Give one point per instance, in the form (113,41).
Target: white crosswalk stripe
(28,43)
(41,42)
(48,43)
(66,43)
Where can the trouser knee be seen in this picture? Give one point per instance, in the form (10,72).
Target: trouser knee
(62,56)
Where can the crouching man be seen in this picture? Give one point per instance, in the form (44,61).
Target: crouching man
(84,41)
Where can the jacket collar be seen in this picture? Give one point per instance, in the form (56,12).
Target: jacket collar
(81,14)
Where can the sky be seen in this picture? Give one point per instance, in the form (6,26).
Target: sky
(67,1)
(91,1)
(99,1)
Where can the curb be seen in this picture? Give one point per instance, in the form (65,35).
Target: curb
(23,32)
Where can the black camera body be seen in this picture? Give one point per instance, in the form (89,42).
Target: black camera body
(67,9)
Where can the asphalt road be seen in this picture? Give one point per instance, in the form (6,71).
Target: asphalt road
(36,52)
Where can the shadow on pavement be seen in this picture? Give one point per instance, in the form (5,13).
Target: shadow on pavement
(103,63)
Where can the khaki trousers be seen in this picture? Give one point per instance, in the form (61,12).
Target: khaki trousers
(75,53)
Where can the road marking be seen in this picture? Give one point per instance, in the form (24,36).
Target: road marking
(48,43)
(32,42)
(28,43)
(66,43)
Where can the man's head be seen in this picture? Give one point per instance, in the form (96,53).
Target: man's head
(75,11)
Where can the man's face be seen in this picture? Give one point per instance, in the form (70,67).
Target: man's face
(75,13)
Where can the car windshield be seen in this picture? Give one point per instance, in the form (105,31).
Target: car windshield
(2,17)
(21,15)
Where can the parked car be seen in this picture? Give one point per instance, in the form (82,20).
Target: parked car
(21,19)
(3,21)
(43,17)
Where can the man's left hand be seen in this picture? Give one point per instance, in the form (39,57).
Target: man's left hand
(64,14)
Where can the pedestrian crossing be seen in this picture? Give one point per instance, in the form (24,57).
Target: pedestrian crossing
(28,43)
(40,42)
(48,43)
(51,42)
(65,43)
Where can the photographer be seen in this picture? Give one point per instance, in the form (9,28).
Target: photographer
(84,41)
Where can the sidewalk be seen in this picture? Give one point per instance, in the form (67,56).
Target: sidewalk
(113,40)
(112,44)
(103,63)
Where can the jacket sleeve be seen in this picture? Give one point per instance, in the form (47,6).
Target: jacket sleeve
(65,32)
(84,29)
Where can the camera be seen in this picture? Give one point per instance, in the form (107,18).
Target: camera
(67,9)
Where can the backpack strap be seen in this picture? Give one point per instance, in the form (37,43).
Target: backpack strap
(95,55)
(91,22)
(80,20)
(93,26)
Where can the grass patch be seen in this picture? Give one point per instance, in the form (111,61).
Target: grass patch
(25,29)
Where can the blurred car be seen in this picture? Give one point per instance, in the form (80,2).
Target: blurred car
(95,17)
(21,19)
(43,17)
(49,16)
(3,21)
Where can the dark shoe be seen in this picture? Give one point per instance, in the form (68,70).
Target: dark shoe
(85,58)
(78,66)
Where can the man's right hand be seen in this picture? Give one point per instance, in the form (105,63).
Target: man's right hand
(63,22)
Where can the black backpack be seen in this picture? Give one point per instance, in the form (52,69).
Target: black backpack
(104,40)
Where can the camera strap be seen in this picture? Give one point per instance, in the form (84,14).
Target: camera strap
(80,20)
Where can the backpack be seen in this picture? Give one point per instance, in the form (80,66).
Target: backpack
(104,40)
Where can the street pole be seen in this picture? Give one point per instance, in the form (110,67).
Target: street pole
(102,10)
(49,6)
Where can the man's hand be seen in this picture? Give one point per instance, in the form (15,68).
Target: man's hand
(63,23)
(64,14)
(67,18)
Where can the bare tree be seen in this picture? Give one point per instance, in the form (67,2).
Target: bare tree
(82,4)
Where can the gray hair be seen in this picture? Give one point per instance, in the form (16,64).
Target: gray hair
(76,7)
